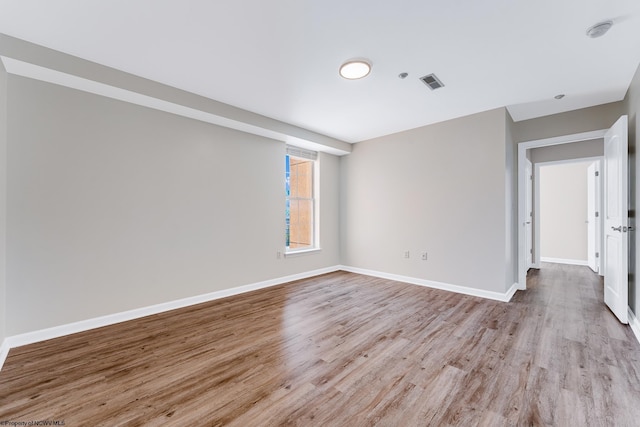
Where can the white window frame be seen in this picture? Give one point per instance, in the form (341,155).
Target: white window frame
(312,156)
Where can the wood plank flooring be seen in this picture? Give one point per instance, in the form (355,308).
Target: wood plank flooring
(344,350)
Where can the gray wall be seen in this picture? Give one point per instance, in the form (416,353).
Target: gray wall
(511,203)
(3,199)
(440,188)
(632,107)
(113,206)
(574,150)
(583,120)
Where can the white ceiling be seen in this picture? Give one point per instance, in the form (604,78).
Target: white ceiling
(280,58)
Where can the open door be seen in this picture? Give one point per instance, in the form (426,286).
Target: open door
(616,217)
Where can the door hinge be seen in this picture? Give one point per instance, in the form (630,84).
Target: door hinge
(597,173)
(597,254)
(531,251)
(597,214)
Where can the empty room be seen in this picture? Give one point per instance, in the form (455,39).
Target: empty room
(313,213)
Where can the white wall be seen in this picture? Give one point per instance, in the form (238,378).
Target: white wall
(563,211)
(440,188)
(113,206)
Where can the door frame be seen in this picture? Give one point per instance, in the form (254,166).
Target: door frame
(529,236)
(596,251)
(522,155)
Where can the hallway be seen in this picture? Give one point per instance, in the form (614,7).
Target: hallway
(582,355)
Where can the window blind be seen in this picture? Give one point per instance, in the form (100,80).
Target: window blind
(301,152)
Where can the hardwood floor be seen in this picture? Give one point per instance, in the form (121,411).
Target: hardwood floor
(344,350)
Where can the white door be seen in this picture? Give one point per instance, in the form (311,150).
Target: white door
(616,218)
(528,230)
(593,216)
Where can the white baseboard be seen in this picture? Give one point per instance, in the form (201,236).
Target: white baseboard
(635,324)
(497,296)
(4,352)
(512,291)
(111,319)
(564,261)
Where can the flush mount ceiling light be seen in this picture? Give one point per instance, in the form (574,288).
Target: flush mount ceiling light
(355,69)
(599,29)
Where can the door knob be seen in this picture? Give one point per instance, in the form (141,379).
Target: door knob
(616,228)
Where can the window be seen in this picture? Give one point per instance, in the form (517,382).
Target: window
(301,203)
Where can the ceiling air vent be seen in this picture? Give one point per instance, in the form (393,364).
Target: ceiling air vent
(432,81)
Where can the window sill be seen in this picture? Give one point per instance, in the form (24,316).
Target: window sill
(301,252)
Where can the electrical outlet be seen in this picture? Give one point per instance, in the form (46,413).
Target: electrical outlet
(424,255)
(406,254)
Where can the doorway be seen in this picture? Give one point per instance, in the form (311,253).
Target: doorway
(567,206)
(523,156)
(615,218)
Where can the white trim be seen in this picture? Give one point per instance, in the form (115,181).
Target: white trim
(564,261)
(497,296)
(111,319)
(530,242)
(315,202)
(564,139)
(635,324)
(522,155)
(536,216)
(511,292)
(294,252)
(4,352)
(570,161)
